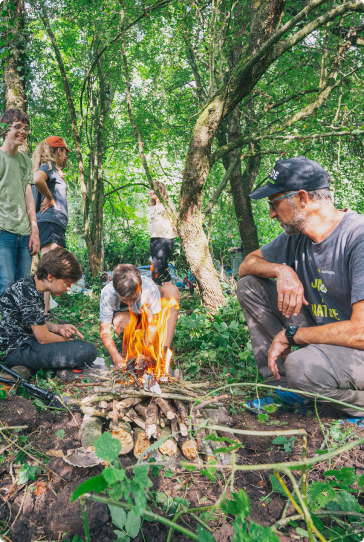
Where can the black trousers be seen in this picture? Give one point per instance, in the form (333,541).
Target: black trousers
(160,250)
(74,354)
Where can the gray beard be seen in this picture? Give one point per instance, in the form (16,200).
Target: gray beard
(295,227)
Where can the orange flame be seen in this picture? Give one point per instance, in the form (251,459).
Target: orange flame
(152,270)
(136,341)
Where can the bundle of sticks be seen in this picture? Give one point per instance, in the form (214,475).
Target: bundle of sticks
(140,417)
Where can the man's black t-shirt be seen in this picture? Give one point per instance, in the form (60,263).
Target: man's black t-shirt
(58,188)
(21,305)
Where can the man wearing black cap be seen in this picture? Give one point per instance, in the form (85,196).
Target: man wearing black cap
(317,300)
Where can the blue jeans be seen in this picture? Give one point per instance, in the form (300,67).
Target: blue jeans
(15,258)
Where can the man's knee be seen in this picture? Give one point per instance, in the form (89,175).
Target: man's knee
(87,354)
(245,286)
(169,290)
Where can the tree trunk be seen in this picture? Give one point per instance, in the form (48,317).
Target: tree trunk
(15,64)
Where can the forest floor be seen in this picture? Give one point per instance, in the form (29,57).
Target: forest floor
(39,508)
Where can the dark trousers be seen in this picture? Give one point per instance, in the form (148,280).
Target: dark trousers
(63,355)
(334,371)
(160,250)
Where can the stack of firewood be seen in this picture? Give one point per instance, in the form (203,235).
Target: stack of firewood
(140,417)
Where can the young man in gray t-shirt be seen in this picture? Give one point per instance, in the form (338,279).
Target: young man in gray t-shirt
(128,293)
(317,301)
(19,238)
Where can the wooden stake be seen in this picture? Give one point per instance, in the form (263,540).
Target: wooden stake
(151,421)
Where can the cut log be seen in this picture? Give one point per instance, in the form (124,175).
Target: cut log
(132,415)
(197,433)
(182,411)
(115,413)
(166,408)
(141,443)
(227,434)
(211,401)
(130,401)
(104,405)
(125,439)
(162,421)
(91,428)
(175,429)
(151,421)
(169,447)
(189,448)
(207,450)
(141,410)
(183,428)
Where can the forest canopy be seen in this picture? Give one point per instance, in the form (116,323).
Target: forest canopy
(204,96)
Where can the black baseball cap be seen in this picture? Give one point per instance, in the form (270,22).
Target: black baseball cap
(293,174)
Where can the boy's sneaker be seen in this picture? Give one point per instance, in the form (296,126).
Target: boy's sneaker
(358,421)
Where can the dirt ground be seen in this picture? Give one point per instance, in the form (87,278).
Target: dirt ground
(50,516)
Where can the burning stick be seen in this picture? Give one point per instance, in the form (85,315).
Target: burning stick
(166,408)
(151,421)
(141,443)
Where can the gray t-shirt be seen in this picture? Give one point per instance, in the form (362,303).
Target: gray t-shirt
(149,301)
(58,188)
(332,272)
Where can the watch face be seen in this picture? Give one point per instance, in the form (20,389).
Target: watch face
(291,330)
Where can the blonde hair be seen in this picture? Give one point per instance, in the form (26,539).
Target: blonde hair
(44,154)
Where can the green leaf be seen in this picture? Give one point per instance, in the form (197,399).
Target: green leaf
(97,484)
(118,516)
(132,525)
(107,448)
(141,475)
(228,449)
(345,475)
(26,473)
(280,440)
(121,536)
(361,481)
(270,408)
(240,505)
(263,418)
(2,393)
(302,532)
(39,403)
(113,476)
(276,486)
(320,494)
(20,457)
(60,433)
(259,534)
(168,473)
(203,535)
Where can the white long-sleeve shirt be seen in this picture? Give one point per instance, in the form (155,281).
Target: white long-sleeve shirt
(160,225)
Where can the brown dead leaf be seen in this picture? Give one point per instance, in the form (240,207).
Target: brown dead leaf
(55,453)
(261,483)
(41,488)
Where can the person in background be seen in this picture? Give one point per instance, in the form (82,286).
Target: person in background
(26,339)
(19,237)
(131,292)
(50,194)
(162,234)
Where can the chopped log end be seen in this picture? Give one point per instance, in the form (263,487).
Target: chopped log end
(169,447)
(189,450)
(103,404)
(125,439)
(141,444)
(183,429)
(151,431)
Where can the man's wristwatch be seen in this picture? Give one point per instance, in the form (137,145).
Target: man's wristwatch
(290,333)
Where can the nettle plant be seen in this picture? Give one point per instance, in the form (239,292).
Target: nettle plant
(130,500)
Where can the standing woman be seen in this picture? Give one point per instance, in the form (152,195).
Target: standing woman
(162,234)
(50,195)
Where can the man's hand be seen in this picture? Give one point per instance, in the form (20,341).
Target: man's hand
(118,361)
(34,243)
(279,347)
(47,204)
(67,331)
(290,292)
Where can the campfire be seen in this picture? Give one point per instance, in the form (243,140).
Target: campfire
(146,403)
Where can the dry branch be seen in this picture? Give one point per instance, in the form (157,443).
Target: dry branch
(182,412)
(141,410)
(210,401)
(166,408)
(133,416)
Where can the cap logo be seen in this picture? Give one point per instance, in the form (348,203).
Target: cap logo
(274,174)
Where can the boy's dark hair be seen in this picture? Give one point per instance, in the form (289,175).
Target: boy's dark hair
(60,263)
(127,280)
(12,115)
